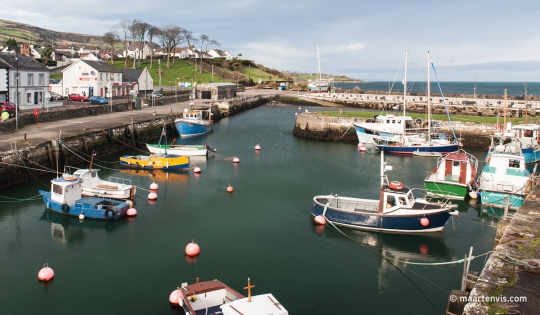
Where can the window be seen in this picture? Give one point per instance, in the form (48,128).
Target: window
(36,97)
(513,163)
(41,79)
(57,189)
(40,97)
(101,76)
(30,79)
(28,98)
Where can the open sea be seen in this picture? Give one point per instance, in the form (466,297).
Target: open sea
(262,231)
(468,88)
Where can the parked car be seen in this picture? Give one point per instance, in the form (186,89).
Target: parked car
(10,108)
(98,100)
(56,96)
(155,95)
(77,97)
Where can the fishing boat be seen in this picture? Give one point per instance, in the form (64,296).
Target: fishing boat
(194,122)
(504,180)
(319,85)
(66,197)
(155,162)
(431,141)
(396,210)
(382,126)
(179,149)
(215,297)
(92,185)
(454,177)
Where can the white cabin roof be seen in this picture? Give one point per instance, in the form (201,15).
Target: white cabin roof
(260,305)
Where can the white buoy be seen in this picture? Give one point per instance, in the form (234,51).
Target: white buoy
(473,194)
(81,216)
(154,186)
(295,114)
(230,189)
(152,196)
(299,108)
(236,160)
(197,170)
(257,147)
(360,144)
(307,111)
(131,212)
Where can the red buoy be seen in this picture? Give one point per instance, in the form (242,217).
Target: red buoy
(360,145)
(362,149)
(154,186)
(257,147)
(320,220)
(152,196)
(197,170)
(131,212)
(395,185)
(424,221)
(176,296)
(46,273)
(192,249)
(230,189)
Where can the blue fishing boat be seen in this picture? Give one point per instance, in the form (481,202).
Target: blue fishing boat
(65,197)
(504,180)
(396,210)
(194,122)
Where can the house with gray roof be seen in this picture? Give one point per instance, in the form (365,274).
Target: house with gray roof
(27,81)
(145,82)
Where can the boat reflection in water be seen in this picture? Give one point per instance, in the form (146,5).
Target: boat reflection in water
(158,176)
(68,229)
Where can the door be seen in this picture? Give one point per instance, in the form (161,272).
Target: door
(206,95)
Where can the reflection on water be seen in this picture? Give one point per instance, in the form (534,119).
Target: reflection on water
(158,176)
(67,229)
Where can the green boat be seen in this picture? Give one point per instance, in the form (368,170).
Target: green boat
(454,177)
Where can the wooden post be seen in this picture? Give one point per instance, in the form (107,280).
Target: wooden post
(249,286)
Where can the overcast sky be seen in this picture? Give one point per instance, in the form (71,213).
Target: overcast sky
(490,40)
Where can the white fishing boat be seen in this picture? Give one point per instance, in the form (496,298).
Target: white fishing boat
(180,149)
(215,297)
(92,185)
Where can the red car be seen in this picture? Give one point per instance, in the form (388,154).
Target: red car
(78,97)
(10,108)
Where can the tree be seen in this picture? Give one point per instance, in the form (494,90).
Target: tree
(11,42)
(152,31)
(188,35)
(46,52)
(170,36)
(123,28)
(203,39)
(138,32)
(111,38)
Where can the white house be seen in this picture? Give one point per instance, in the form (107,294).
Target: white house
(4,79)
(134,50)
(28,81)
(217,53)
(144,80)
(94,78)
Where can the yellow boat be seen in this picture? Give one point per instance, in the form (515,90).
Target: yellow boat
(155,162)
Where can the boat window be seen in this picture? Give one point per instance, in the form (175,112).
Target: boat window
(402,201)
(411,197)
(513,163)
(57,189)
(456,163)
(94,174)
(390,201)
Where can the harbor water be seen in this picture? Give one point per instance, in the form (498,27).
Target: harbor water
(262,231)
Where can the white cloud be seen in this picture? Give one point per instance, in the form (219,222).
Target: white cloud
(352,46)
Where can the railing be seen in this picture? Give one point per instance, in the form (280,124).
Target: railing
(119,180)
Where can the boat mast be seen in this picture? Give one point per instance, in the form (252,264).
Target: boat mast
(428,101)
(319,63)
(504,120)
(382,167)
(405,84)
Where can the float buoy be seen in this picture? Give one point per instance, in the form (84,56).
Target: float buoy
(230,189)
(154,186)
(176,296)
(320,220)
(236,160)
(307,111)
(257,147)
(396,185)
(131,212)
(473,194)
(197,170)
(81,216)
(424,249)
(295,114)
(46,273)
(299,108)
(152,196)
(362,149)
(360,145)
(424,221)
(192,249)
(36,112)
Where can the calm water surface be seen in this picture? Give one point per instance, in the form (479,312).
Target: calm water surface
(263,231)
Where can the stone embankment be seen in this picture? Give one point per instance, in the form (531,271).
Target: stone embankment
(71,134)
(322,127)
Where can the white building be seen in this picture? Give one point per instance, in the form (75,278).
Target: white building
(94,78)
(144,80)
(217,53)
(31,89)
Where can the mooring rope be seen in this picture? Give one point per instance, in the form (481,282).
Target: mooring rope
(82,158)
(20,157)
(19,200)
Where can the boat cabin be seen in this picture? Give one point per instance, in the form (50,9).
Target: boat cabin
(394,196)
(66,190)
(455,167)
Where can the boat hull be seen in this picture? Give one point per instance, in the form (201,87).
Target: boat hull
(167,162)
(190,128)
(187,150)
(412,149)
(91,207)
(500,199)
(445,189)
(383,223)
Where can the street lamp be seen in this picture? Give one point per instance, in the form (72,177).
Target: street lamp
(176,89)
(170,83)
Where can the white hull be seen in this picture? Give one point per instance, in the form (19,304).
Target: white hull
(179,150)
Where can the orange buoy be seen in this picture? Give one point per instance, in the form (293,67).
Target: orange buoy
(131,212)
(320,220)
(257,147)
(424,221)
(152,196)
(154,186)
(192,249)
(197,170)
(230,189)
(176,296)
(362,149)
(424,249)
(236,160)
(46,273)
(396,185)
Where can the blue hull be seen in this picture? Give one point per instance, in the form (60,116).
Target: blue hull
(92,207)
(192,128)
(500,199)
(411,150)
(382,223)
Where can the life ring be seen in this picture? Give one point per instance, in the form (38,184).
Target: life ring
(36,112)
(127,132)
(109,214)
(65,208)
(396,185)
(419,121)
